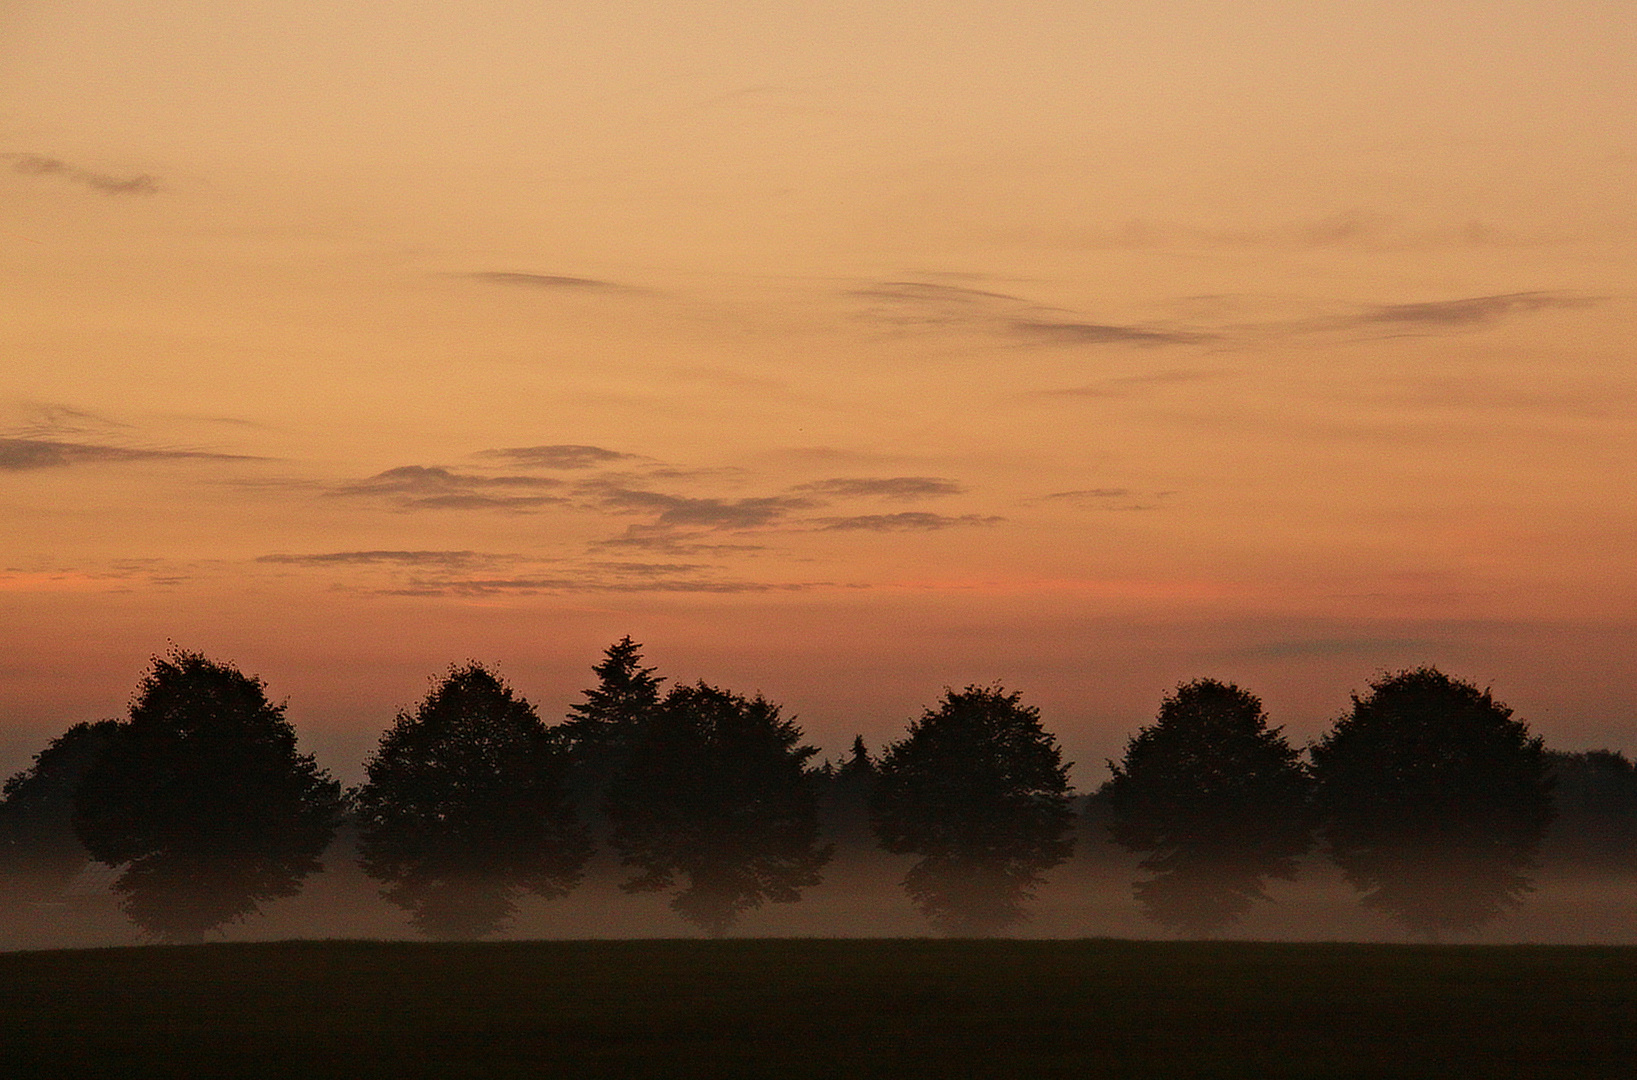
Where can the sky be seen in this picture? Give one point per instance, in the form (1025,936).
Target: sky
(836,351)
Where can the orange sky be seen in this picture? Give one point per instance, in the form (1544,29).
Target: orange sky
(838,350)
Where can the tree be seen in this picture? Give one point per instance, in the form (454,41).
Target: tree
(980,791)
(844,801)
(39,851)
(203,798)
(1595,796)
(715,792)
(1215,800)
(1434,800)
(465,808)
(601,730)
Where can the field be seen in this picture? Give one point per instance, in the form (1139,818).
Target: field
(819,1008)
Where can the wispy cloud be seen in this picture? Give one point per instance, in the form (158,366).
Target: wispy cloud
(1470,311)
(1108,498)
(528,585)
(433,487)
(929,306)
(106,184)
(709,513)
(473,573)
(49,421)
(906,521)
(18,455)
(1357,229)
(1081,494)
(561,456)
(928,294)
(449,559)
(554,282)
(889,487)
(1084,333)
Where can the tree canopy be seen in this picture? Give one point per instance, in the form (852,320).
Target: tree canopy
(466,806)
(1434,800)
(601,730)
(1595,795)
(1215,800)
(204,799)
(39,850)
(979,790)
(716,792)
(844,800)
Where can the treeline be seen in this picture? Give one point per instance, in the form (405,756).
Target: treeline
(1429,795)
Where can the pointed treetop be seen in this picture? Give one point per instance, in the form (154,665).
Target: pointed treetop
(625,688)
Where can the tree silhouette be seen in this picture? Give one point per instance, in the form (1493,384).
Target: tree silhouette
(715,792)
(980,791)
(1595,795)
(1215,800)
(844,801)
(203,798)
(465,808)
(39,850)
(1434,800)
(601,730)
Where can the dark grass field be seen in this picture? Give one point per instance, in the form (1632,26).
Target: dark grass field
(819,1008)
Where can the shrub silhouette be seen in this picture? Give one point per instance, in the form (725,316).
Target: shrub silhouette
(1215,800)
(980,791)
(203,798)
(465,807)
(1434,800)
(715,792)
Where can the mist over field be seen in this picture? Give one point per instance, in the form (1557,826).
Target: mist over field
(860,896)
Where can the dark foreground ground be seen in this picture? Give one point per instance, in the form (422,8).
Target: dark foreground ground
(836,1009)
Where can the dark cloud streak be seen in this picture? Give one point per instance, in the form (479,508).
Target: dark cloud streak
(680,510)
(890,487)
(907,521)
(556,282)
(41,165)
(19,455)
(1081,333)
(564,456)
(387,558)
(1091,493)
(1471,311)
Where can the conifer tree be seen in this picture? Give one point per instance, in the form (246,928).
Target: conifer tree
(601,730)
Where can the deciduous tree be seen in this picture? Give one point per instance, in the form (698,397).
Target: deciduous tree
(203,798)
(1217,803)
(465,808)
(979,790)
(714,801)
(39,850)
(1434,800)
